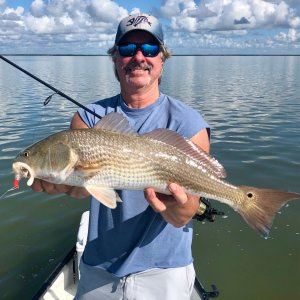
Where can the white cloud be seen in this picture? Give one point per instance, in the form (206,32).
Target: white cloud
(173,7)
(37,5)
(37,8)
(291,36)
(106,11)
(56,8)
(229,14)
(40,25)
(12,14)
(282,13)
(135,10)
(233,24)
(295,22)
(59,21)
(66,20)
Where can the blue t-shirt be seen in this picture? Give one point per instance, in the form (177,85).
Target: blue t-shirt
(132,237)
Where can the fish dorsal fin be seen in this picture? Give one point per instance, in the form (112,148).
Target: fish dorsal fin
(189,148)
(115,122)
(106,196)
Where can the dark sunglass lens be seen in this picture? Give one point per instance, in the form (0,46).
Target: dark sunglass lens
(127,49)
(150,50)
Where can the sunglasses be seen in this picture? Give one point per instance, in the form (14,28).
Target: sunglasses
(130,49)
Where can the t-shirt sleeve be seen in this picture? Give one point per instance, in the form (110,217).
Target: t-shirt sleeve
(192,123)
(100,107)
(89,119)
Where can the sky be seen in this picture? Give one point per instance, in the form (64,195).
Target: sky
(190,26)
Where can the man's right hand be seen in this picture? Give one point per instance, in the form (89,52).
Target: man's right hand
(55,189)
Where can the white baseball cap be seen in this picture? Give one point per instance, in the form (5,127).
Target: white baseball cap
(140,21)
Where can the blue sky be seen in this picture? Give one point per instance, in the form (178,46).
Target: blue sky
(190,26)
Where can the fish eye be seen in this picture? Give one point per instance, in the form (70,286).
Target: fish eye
(26,154)
(250,195)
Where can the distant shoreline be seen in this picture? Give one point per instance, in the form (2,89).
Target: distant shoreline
(172,54)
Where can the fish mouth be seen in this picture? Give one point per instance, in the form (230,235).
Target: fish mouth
(23,170)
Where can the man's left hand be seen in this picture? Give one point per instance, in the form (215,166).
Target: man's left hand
(177,209)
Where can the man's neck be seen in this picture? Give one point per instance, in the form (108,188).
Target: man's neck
(140,98)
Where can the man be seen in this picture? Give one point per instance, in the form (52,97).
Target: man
(141,249)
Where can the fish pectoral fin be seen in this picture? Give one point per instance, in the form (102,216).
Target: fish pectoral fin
(108,197)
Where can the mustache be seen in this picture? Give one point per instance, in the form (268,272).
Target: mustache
(137,66)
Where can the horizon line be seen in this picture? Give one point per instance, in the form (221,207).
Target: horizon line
(209,54)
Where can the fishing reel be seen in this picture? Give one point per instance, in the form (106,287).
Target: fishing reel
(206,211)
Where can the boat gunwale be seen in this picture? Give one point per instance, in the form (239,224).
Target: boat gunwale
(54,274)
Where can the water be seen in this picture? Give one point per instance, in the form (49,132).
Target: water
(253,107)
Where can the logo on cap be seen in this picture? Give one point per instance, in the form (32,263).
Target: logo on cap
(138,20)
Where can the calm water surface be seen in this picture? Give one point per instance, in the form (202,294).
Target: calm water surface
(253,107)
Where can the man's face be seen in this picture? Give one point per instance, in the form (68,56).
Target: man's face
(138,71)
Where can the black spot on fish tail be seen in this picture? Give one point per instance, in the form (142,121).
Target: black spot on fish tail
(260,206)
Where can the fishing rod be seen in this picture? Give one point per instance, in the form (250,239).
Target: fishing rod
(50,87)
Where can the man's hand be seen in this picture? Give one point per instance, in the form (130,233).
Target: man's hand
(177,209)
(55,189)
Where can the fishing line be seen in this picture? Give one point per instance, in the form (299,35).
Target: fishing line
(9,190)
(58,92)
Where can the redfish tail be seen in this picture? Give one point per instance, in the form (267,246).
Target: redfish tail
(261,205)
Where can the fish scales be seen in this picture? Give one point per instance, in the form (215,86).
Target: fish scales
(139,159)
(120,160)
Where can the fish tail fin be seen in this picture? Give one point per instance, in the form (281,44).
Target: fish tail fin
(261,205)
